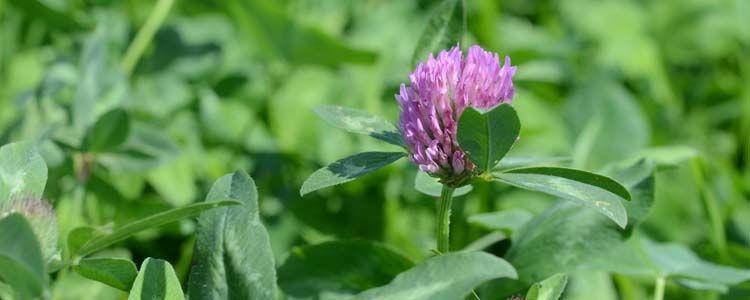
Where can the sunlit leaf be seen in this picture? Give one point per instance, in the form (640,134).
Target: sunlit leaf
(358,121)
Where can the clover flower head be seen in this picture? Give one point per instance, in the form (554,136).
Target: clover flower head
(41,217)
(431,105)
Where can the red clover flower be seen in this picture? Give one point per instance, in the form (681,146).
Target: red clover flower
(440,90)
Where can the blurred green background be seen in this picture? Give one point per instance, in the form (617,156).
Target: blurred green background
(227,85)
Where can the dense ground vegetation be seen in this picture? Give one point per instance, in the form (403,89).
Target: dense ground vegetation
(622,87)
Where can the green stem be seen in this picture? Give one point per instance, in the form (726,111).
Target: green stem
(144,36)
(661,281)
(444,219)
(712,210)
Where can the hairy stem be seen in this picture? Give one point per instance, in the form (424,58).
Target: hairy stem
(444,219)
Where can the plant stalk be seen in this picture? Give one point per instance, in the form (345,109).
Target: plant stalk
(444,219)
(145,35)
(659,289)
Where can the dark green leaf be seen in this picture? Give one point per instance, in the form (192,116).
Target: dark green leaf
(507,221)
(21,261)
(100,242)
(445,277)
(232,257)
(108,133)
(39,10)
(156,280)
(429,185)
(23,172)
(342,267)
(116,272)
(487,137)
(595,191)
(348,169)
(358,121)
(548,289)
(445,29)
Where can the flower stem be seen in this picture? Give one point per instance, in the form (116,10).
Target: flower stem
(444,219)
(145,34)
(659,289)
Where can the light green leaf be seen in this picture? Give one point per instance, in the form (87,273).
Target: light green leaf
(23,173)
(147,147)
(21,261)
(677,260)
(358,121)
(487,137)
(445,29)
(232,257)
(175,181)
(342,267)
(116,272)
(348,169)
(429,185)
(156,281)
(564,237)
(589,178)
(548,289)
(507,221)
(445,277)
(6,292)
(108,133)
(598,192)
(100,242)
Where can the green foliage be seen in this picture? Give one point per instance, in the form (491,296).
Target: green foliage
(21,261)
(99,242)
(348,169)
(156,280)
(115,272)
(23,173)
(124,144)
(548,289)
(445,28)
(444,277)
(507,221)
(487,136)
(108,133)
(592,190)
(232,256)
(340,267)
(357,121)
(429,185)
